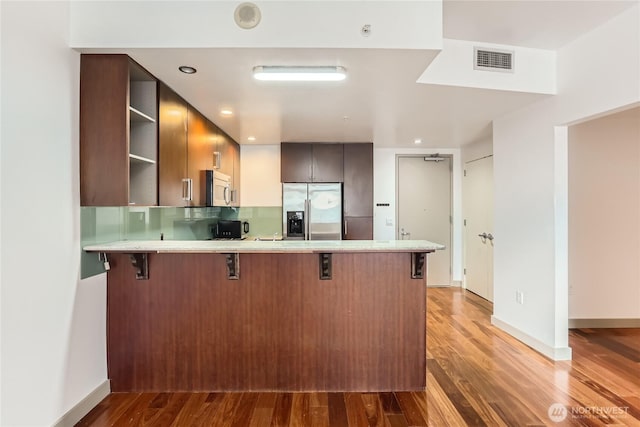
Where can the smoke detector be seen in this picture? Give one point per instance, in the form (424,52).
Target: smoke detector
(247,15)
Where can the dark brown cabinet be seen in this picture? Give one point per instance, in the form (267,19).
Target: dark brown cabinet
(200,148)
(311,162)
(295,162)
(358,228)
(327,162)
(358,191)
(358,179)
(118,132)
(174,112)
(235,191)
(227,161)
(190,144)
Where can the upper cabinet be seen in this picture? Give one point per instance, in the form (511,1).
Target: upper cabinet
(190,144)
(173,117)
(118,132)
(311,162)
(201,139)
(358,180)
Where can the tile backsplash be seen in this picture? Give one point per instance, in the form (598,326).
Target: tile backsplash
(108,224)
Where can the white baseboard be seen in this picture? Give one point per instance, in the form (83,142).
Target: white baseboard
(603,323)
(85,406)
(553,353)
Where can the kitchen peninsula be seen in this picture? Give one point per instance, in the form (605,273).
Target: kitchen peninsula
(274,315)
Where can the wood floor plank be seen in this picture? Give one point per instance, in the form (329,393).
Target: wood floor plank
(282,410)
(477,375)
(300,411)
(337,410)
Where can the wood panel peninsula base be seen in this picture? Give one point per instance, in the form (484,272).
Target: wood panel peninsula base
(277,327)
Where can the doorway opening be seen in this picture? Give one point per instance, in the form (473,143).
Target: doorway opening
(424,205)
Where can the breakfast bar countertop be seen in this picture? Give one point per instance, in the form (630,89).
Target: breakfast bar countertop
(253,246)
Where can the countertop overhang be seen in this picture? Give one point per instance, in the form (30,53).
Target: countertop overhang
(252,246)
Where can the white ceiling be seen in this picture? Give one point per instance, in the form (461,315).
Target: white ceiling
(380,101)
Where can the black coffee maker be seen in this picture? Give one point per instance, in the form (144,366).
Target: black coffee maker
(295,225)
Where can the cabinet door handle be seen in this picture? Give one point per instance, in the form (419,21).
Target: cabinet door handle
(187,190)
(218,160)
(346,229)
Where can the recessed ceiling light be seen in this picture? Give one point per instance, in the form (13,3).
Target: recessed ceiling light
(299,74)
(417,141)
(187,69)
(251,138)
(226,112)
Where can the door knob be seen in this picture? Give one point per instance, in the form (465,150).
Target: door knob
(490,237)
(483,235)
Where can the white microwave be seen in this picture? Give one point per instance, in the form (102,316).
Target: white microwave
(218,191)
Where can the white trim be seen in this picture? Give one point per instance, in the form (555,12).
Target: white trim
(553,353)
(85,406)
(603,323)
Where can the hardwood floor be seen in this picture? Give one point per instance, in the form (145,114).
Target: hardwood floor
(477,376)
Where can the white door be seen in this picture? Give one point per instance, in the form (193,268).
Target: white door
(479,239)
(424,210)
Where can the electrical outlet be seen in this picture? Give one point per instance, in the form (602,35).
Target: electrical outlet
(520,297)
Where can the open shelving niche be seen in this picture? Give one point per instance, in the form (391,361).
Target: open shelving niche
(143,137)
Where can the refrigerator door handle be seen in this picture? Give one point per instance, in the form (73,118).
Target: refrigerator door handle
(307,219)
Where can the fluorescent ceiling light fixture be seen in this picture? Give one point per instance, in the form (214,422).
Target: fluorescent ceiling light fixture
(251,138)
(299,74)
(417,141)
(226,112)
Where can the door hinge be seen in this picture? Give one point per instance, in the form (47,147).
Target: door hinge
(465,222)
(450,220)
(465,172)
(465,271)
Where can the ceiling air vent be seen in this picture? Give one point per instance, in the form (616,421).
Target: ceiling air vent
(492,60)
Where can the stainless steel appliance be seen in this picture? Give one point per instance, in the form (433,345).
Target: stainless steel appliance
(218,188)
(312,211)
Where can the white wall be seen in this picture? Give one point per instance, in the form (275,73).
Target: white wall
(530,172)
(384,191)
(477,150)
(604,207)
(260,175)
(53,324)
(534,70)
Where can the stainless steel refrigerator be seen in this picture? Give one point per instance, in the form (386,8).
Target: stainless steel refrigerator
(312,211)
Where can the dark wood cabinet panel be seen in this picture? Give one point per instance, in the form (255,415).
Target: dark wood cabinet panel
(235,199)
(302,162)
(327,162)
(358,180)
(279,327)
(172,147)
(358,228)
(295,162)
(104,130)
(226,148)
(200,148)
(118,132)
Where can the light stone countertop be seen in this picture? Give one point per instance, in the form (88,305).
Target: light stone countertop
(252,246)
